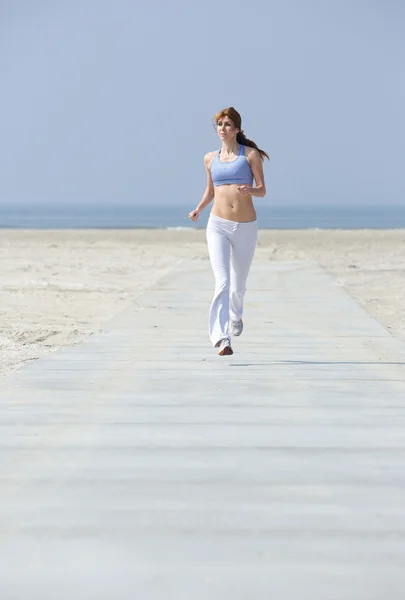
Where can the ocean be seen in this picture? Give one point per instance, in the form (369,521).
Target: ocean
(176,217)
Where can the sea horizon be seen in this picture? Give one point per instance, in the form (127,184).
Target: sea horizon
(176,217)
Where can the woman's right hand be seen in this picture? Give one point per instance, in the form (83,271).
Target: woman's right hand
(194,214)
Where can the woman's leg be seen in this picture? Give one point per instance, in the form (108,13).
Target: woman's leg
(243,249)
(219,251)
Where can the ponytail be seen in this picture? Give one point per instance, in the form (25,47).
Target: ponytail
(242,139)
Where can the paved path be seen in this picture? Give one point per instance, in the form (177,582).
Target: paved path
(143,466)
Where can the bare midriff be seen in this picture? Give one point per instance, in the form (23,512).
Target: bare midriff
(230,204)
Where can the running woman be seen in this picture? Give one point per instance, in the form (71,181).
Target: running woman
(232,224)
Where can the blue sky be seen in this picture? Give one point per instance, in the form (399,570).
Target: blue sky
(111,102)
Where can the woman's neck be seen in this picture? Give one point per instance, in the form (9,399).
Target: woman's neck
(230,148)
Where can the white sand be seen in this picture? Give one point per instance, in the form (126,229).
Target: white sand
(59,287)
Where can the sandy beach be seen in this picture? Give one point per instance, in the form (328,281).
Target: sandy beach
(59,287)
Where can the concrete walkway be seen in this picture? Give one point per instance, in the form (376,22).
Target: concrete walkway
(142,466)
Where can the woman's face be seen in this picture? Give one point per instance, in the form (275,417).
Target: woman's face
(226,129)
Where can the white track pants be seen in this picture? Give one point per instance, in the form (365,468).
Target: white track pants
(231,246)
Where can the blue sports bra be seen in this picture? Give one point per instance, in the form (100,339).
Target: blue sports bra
(237,171)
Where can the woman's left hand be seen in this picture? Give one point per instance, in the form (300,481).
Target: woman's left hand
(245,190)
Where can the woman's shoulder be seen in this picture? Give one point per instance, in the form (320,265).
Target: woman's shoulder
(249,151)
(252,155)
(208,158)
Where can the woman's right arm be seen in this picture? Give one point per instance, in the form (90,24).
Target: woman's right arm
(208,195)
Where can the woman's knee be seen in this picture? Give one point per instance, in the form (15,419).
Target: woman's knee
(239,290)
(222,285)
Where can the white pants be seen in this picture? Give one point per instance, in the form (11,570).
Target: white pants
(231,246)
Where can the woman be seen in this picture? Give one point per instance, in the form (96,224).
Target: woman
(232,225)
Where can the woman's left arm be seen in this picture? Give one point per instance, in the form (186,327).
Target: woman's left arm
(256,165)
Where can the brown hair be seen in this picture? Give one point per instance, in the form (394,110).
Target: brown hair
(236,119)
